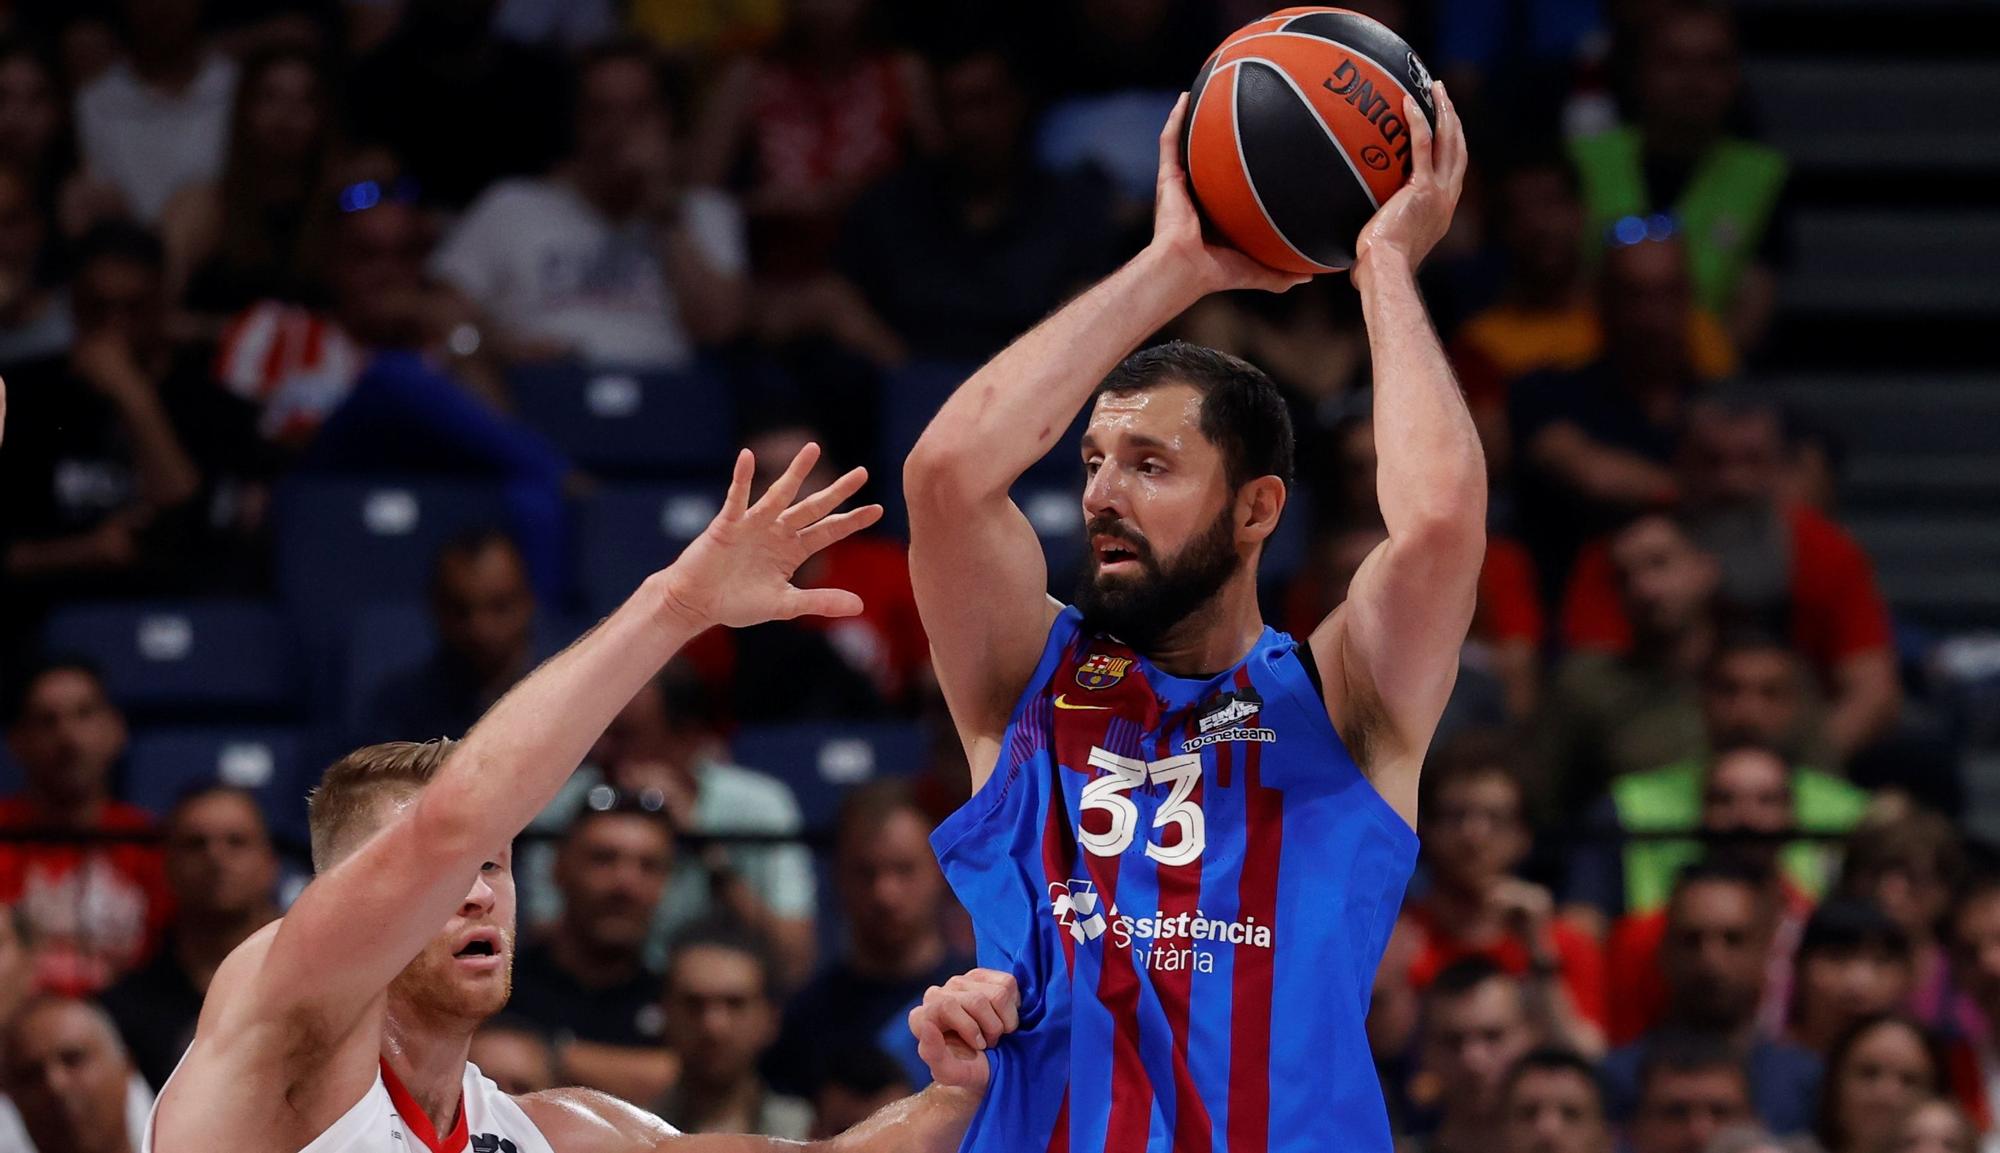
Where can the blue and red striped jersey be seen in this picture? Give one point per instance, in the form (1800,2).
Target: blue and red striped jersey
(1193,884)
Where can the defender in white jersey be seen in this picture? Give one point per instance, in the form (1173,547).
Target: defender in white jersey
(344,1027)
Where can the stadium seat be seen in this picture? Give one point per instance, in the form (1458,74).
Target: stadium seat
(391,636)
(625,533)
(635,423)
(912,396)
(202,659)
(1056,512)
(347,541)
(272,762)
(820,762)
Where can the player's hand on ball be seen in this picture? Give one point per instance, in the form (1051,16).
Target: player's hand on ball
(960,1020)
(738,572)
(1214,267)
(1416,218)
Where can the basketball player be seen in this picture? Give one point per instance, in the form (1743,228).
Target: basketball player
(344,1026)
(1190,833)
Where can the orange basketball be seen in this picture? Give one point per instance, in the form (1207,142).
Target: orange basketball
(1296,133)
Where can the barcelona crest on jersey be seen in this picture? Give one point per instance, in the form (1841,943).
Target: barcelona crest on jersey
(1101,672)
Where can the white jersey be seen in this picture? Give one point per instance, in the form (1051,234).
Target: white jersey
(386,1120)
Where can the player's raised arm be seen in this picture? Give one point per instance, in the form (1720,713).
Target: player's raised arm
(980,577)
(364,918)
(1391,651)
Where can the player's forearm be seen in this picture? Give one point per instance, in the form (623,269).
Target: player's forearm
(933,1121)
(1430,471)
(1014,409)
(515,759)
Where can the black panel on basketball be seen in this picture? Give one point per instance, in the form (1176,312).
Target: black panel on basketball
(1310,192)
(1187,124)
(1377,43)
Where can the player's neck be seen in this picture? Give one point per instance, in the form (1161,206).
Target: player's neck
(1215,636)
(429,1058)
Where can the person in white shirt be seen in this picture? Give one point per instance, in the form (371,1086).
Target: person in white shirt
(159,119)
(607,259)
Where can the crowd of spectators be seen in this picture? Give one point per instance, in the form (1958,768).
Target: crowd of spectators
(1691,881)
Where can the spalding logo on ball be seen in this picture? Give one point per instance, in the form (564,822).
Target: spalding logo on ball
(1296,133)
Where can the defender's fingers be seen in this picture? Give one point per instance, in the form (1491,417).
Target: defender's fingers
(738,499)
(831,603)
(824,501)
(786,488)
(839,527)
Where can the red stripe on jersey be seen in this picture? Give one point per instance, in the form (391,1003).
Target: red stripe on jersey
(1250,998)
(418,1122)
(1059,856)
(1059,1140)
(1118,992)
(1180,892)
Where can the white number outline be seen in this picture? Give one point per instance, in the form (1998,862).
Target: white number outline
(1107,794)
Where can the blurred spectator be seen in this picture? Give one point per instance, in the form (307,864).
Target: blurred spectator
(1546,319)
(1552,1102)
(893,896)
(484,614)
(35,318)
(93,912)
(17,963)
(1507,626)
(1910,865)
(1677,157)
(1747,809)
(1475,835)
(856,1085)
(36,139)
(463,106)
(584,978)
(223,876)
(1479,698)
(1974,1059)
(69,1085)
(1752,692)
(611,259)
(804,126)
(1476,1025)
(960,253)
(158,119)
(1716,959)
(1608,714)
(111,495)
(1782,563)
(1880,1068)
(665,741)
(1688,1090)
(704,30)
(1938,1126)
(515,1053)
(1853,964)
(886,642)
(722,1015)
(244,237)
(1595,443)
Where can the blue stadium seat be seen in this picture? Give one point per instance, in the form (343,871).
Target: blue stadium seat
(820,762)
(625,533)
(187,659)
(271,761)
(630,422)
(10,774)
(1056,511)
(343,542)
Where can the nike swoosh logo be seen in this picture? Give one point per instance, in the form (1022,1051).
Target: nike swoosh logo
(1064,704)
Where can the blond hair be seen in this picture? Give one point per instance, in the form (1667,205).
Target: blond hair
(353,787)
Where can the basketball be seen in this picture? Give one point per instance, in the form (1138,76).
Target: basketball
(1296,133)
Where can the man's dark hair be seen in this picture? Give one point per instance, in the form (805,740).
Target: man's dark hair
(1710,870)
(668,83)
(1472,754)
(471,543)
(1680,1051)
(729,936)
(202,790)
(1842,925)
(1556,1059)
(1741,639)
(1463,976)
(604,801)
(16,701)
(120,240)
(1242,411)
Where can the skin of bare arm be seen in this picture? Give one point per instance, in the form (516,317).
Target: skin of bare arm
(1390,652)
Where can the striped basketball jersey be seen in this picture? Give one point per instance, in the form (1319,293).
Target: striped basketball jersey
(1193,884)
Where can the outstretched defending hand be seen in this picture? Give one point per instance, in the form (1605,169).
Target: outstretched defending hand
(1177,234)
(1416,218)
(738,572)
(960,1020)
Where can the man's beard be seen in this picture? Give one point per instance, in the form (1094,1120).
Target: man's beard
(1143,610)
(429,985)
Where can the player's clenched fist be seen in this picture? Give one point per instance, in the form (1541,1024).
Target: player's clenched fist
(961,1019)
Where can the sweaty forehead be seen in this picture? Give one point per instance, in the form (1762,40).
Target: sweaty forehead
(1169,413)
